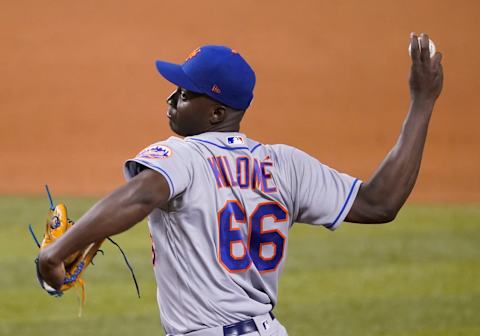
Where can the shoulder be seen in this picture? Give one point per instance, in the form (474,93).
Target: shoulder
(282,148)
(285,152)
(290,160)
(172,154)
(164,149)
(171,157)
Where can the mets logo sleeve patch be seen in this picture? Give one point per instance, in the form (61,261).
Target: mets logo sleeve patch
(169,158)
(156,151)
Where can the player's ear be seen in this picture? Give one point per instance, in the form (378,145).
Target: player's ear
(218,114)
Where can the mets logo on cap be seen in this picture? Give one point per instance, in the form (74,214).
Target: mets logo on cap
(193,54)
(156,152)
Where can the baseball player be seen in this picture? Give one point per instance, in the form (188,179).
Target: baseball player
(220,205)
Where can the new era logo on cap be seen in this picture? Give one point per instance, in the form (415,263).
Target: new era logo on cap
(216,89)
(216,71)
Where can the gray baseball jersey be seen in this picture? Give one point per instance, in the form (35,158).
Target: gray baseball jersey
(220,247)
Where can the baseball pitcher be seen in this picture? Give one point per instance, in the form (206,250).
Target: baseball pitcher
(220,205)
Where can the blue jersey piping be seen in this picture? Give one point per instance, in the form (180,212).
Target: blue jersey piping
(329,226)
(256,146)
(224,147)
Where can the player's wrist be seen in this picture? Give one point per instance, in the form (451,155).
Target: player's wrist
(422,105)
(423,99)
(47,259)
(49,271)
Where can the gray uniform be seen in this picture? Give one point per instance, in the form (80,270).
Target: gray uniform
(220,247)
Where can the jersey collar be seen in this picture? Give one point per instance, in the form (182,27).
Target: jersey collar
(224,140)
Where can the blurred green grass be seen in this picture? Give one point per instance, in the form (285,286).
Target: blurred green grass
(417,276)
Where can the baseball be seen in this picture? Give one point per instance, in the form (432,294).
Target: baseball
(431,47)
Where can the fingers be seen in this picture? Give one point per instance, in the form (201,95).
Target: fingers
(420,50)
(437,59)
(415,49)
(424,48)
(437,65)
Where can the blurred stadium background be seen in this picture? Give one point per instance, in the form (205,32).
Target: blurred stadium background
(79,94)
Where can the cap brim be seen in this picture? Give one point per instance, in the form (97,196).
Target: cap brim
(174,74)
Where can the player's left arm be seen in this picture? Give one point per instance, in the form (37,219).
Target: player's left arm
(379,199)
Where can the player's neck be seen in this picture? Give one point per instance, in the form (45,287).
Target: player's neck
(225,126)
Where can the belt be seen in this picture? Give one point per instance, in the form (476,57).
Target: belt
(243,327)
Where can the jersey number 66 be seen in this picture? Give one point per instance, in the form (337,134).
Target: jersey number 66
(257,240)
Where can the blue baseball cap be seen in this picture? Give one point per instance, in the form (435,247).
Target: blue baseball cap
(216,71)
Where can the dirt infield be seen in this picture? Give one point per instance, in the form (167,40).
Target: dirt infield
(79,92)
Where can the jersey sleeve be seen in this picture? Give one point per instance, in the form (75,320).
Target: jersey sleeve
(320,195)
(169,158)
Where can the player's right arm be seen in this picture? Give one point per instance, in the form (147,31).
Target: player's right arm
(115,213)
(380,198)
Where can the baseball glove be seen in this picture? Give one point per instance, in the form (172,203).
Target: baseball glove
(75,265)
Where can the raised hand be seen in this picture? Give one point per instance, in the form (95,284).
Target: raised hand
(426,75)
